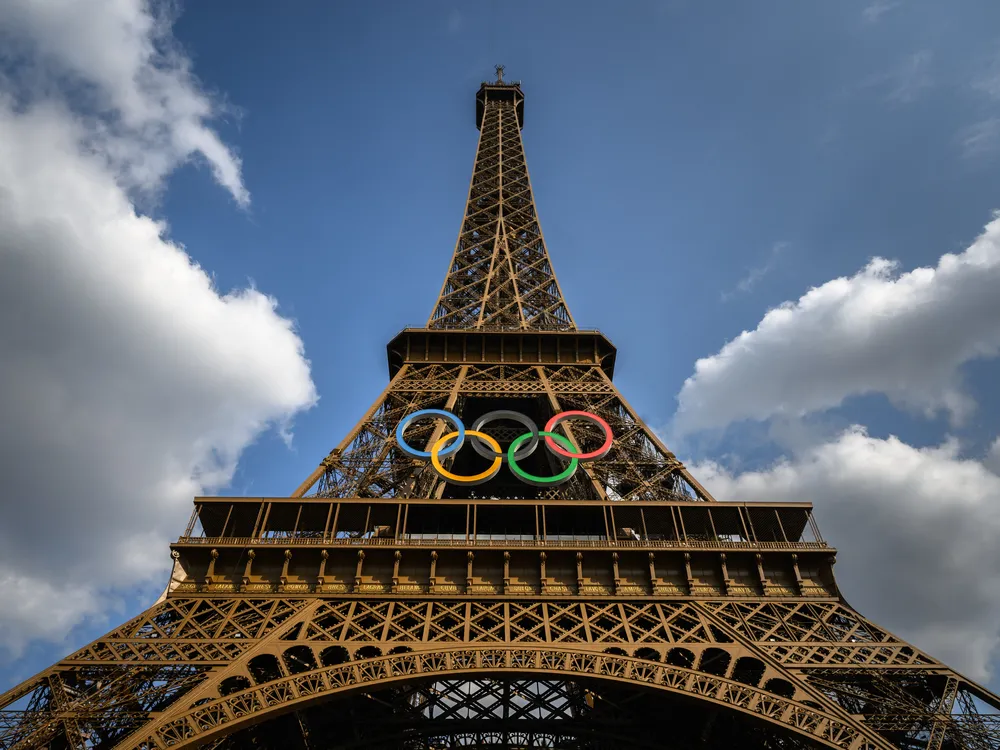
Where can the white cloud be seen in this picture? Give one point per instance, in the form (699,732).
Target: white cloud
(748,282)
(904,335)
(146,112)
(128,383)
(916,531)
(980,140)
(872,13)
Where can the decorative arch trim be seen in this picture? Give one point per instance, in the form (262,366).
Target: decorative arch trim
(228,714)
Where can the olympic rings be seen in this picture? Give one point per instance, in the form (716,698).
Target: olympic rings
(599,453)
(488,447)
(524,476)
(515,416)
(447,416)
(467,479)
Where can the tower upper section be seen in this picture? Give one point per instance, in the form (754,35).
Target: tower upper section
(500,277)
(500,91)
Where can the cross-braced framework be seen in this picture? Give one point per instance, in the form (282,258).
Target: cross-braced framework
(369,463)
(500,277)
(383,605)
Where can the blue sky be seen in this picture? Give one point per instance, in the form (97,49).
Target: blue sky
(671,147)
(695,165)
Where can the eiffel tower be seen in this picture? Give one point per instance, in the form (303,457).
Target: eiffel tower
(463,578)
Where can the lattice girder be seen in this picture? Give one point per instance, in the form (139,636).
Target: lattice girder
(318,647)
(227,714)
(368,463)
(500,277)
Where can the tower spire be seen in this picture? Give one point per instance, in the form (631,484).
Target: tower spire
(500,277)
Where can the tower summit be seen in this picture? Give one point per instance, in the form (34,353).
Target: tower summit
(500,554)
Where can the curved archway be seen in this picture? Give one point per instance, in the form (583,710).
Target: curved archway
(647,654)
(368,652)
(680,657)
(264,668)
(748,670)
(714,661)
(334,655)
(299,659)
(225,715)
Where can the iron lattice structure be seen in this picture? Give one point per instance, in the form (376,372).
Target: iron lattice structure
(380,606)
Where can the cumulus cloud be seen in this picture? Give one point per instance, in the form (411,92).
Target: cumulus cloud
(916,530)
(128,382)
(144,110)
(905,335)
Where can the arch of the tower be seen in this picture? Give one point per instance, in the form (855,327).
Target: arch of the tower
(501,697)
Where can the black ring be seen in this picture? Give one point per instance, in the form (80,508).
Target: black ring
(486,452)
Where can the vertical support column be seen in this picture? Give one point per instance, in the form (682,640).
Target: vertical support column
(764,583)
(283,579)
(617,577)
(726,583)
(357,572)
(210,575)
(687,572)
(248,569)
(396,559)
(543,580)
(798,575)
(323,557)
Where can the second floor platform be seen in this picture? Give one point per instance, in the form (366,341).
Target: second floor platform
(374,522)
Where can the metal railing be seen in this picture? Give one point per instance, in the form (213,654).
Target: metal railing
(498,543)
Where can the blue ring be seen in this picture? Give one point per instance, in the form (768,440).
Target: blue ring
(447,416)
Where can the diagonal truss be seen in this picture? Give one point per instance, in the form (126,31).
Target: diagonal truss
(456,662)
(500,277)
(368,463)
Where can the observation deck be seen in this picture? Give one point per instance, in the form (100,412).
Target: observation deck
(503,547)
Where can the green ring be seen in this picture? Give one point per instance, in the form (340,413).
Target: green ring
(564,476)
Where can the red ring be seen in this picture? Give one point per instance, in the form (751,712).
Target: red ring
(555,448)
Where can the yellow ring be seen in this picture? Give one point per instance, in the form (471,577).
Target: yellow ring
(471,478)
